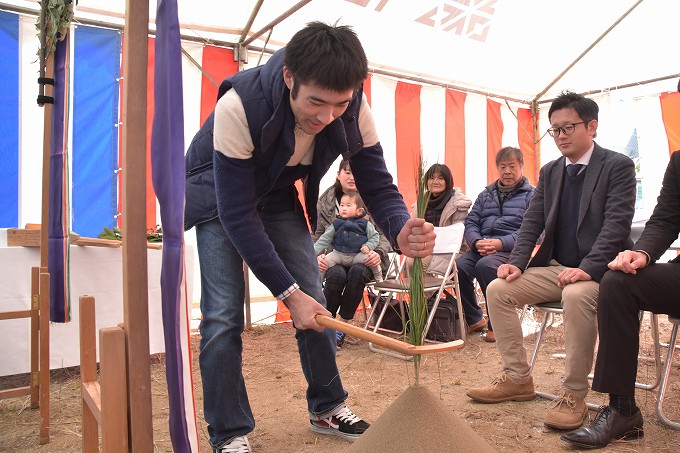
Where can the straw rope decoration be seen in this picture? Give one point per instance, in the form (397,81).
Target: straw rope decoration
(58,17)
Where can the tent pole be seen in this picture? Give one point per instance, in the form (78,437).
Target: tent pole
(588,49)
(537,140)
(292,10)
(195,63)
(621,87)
(251,19)
(135,272)
(46,71)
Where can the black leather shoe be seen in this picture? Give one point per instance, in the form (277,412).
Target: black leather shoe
(608,425)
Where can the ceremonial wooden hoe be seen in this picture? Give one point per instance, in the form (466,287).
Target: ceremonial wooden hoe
(385,341)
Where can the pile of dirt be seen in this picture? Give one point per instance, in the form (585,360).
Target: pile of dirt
(419,421)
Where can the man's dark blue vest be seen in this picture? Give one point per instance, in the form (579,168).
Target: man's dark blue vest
(566,250)
(266,101)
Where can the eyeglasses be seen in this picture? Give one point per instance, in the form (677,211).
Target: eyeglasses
(567,129)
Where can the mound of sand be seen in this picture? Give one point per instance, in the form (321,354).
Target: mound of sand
(418,421)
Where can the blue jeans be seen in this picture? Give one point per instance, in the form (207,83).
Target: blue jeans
(225,400)
(485,269)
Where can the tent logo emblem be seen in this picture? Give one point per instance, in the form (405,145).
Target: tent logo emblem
(467,18)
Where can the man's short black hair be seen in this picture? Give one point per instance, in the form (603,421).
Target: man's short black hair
(328,56)
(586,108)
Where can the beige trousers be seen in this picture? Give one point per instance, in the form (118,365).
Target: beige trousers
(538,285)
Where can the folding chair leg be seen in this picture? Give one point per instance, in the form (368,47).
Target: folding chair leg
(524,312)
(664,380)
(378,322)
(363,307)
(539,337)
(653,319)
(376,326)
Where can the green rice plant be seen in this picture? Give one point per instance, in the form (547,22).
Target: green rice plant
(417,307)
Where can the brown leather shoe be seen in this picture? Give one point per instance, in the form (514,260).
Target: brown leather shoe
(490,337)
(476,327)
(608,425)
(567,412)
(503,389)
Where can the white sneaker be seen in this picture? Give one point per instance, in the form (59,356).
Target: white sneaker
(238,444)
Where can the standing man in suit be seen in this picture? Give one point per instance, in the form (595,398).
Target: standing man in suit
(584,203)
(636,282)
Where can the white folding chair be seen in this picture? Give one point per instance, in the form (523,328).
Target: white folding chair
(550,309)
(448,242)
(393,270)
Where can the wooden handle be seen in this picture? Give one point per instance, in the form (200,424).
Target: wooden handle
(387,342)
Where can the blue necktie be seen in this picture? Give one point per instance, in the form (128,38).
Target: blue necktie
(574,169)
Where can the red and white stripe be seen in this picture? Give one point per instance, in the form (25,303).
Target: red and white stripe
(459,129)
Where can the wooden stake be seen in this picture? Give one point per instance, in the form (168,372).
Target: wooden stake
(35,337)
(135,273)
(113,368)
(88,374)
(44,356)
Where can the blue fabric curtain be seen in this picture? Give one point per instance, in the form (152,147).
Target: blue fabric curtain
(95,135)
(9,120)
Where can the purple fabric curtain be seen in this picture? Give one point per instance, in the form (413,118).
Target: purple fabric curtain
(59,214)
(167,162)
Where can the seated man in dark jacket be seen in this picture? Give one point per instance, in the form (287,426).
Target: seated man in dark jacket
(490,231)
(635,282)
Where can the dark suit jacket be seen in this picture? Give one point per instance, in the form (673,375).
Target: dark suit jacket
(664,225)
(605,214)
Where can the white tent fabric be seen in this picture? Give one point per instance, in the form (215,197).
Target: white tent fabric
(513,48)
